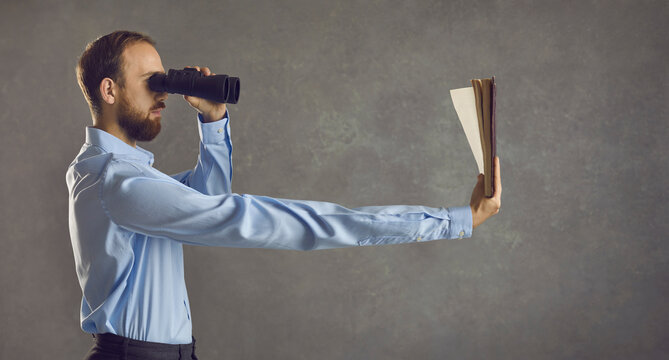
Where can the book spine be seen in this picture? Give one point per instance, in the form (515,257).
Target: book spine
(493,126)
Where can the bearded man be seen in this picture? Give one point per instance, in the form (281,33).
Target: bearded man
(129,222)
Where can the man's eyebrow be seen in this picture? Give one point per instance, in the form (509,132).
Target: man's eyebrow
(152,73)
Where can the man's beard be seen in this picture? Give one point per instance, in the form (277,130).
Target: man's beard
(136,125)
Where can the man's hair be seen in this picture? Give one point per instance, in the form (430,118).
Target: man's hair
(102,59)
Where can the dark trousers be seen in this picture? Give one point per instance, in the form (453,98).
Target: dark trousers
(114,347)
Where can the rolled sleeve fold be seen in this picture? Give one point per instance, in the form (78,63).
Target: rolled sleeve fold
(460,225)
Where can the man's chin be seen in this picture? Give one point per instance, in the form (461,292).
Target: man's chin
(150,130)
(138,125)
(153,134)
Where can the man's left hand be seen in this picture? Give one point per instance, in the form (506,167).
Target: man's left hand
(210,110)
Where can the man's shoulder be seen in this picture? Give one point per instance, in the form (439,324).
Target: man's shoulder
(94,163)
(89,163)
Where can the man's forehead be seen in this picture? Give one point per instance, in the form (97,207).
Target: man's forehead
(141,57)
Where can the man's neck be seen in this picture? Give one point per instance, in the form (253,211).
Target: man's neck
(113,128)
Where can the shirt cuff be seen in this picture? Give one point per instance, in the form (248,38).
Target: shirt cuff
(214,132)
(461,222)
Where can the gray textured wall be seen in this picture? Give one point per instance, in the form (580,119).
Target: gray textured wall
(348,102)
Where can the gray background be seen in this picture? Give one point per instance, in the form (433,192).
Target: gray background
(349,102)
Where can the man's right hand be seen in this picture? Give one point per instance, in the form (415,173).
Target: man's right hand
(483,207)
(210,110)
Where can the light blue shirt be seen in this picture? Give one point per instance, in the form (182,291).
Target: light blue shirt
(128,222)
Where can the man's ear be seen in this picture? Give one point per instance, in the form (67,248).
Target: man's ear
(108,91)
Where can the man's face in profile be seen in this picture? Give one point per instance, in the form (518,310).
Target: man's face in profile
(138,111)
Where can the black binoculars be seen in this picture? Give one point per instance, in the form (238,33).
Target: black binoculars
(189,81)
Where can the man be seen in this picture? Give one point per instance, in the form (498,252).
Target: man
(128,221)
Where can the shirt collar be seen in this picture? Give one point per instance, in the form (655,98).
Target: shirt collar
(112,144)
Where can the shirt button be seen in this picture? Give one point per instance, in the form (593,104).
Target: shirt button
(419,238)
(220,130)
(462,233)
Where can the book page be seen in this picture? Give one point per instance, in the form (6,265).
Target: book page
(465,107)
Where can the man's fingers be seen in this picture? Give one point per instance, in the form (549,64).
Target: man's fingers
(204,70)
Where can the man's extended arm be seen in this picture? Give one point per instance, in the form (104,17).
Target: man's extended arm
(161,207)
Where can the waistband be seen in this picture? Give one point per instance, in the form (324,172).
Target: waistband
(144,349)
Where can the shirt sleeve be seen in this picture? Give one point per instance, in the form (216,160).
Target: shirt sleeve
(163,207)
(212,174)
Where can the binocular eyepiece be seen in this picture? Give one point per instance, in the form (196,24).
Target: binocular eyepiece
(189,81)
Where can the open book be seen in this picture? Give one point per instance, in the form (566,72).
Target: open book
(476,109)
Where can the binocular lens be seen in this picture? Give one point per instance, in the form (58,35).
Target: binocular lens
(189,81)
